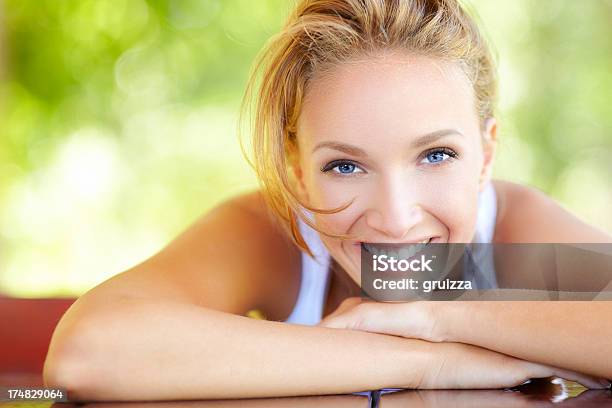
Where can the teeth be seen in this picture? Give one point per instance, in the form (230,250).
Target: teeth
(398,253)
(406,253)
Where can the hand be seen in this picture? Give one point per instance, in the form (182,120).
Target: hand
(416,320)
(463,366)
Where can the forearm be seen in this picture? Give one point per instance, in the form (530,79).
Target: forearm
(145,350)
(572,335)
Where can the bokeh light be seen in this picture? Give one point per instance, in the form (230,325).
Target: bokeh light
(119,119)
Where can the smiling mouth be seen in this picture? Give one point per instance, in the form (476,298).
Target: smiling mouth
(396,250)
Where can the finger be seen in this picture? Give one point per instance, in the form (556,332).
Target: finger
(340,321)
(355,318)
(330,323)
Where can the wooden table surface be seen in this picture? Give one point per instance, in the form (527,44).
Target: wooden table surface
(540,393)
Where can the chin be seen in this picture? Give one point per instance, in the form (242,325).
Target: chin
(349,258)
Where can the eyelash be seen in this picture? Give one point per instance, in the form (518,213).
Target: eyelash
(445,150)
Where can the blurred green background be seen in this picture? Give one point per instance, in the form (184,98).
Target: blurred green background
(118,121)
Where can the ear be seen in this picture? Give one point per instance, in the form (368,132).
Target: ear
(298,173)
(299,181)
(489,145)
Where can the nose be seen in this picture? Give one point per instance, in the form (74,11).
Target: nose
(395,209)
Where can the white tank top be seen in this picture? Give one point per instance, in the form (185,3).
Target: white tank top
(308,309)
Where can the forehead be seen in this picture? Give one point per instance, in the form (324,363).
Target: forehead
(383,97)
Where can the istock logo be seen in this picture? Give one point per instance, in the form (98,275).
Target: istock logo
(383,263)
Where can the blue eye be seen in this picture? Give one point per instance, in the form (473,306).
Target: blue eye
(345,168)
(439,155)
(342,167)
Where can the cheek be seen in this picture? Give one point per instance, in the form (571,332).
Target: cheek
(453,200)
(327,193)
(458,212)
(346,255)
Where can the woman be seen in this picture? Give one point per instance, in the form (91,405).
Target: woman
(373,123)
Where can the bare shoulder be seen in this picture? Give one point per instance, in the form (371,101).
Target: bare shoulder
(252,208)
(233,258)
(250,235)
(252,201)
(250,211)
(526,214)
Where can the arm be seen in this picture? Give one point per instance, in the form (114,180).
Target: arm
(572,335)
(496,326)
(149,350)
(134,349)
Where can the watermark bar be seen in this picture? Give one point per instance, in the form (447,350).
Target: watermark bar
(486,271)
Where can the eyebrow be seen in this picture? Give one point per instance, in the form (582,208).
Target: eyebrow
(421,141)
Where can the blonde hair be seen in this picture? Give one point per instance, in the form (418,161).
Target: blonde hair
(321,34)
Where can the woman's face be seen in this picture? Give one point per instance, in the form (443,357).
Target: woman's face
(399,134)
